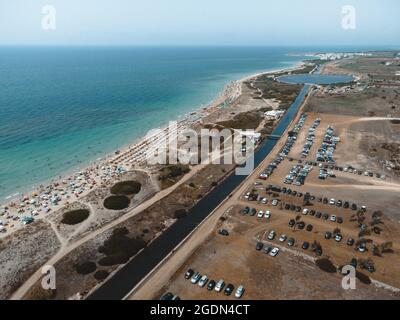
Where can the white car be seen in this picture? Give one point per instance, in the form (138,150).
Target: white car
(333,218)
(247,196)
(338,238)
(332,202)
(362,248)
(219,285)
(267,215)
(274,252)
(260,214)
(271,235)
(305,211)
(275,202)
(203,281)
(239,292)
(283,238)
(264,201)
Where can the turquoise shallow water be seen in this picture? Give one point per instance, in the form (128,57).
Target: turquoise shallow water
(63,107)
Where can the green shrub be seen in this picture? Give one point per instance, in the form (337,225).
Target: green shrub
(75,217)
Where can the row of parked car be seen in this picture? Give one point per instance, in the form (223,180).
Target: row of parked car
(328,147)
(290,242)
(285,150)
(313,213)
(338,203)
(293,136)
(247,211)
(298,174)
(366,173)
(203,281)
(310,138)
(271,167)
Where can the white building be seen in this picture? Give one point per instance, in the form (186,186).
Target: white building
(274,114)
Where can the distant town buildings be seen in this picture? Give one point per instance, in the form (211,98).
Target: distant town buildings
(341,55)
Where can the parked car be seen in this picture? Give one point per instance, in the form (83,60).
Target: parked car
(211,285)
(301,225)
(274,252)
(305,211)
(203,281)
(220,285)
(229,289)
(267,249)
(189,274)
(195,278)
(325,216)
(305,245)
(339,220)
(292,223)
(223,232)
(362,248)
(310,228)
(260,214)
(167,296)
(318,215)
(291,242)
(259,246)
(353,262)
(328,235)
(371,269)
(271,235)
(333,218)
(350,242)
(283,238)
(239,292)
(267,215)
(338,237)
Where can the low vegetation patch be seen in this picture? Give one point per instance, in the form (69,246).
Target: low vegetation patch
(75,217)
(126,188)
(119,248)
(86,267)
(326,265)
(101,275)
(247,120)
(181,213)
(173,171)
(363,278)
(116,202)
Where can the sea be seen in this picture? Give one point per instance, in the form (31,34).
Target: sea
(63,107)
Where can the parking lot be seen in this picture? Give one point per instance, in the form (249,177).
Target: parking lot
(278,230)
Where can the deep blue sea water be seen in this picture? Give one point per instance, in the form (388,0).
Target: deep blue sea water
(63,107)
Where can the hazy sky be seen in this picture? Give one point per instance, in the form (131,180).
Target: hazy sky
(190,22)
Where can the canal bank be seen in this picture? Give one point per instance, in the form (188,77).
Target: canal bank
(133,272)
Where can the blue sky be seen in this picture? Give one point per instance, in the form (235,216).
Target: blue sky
(201,22)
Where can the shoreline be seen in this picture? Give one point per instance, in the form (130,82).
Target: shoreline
(80,181)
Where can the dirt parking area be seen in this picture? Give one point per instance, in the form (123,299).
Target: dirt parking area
(290,275)
(361,176)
